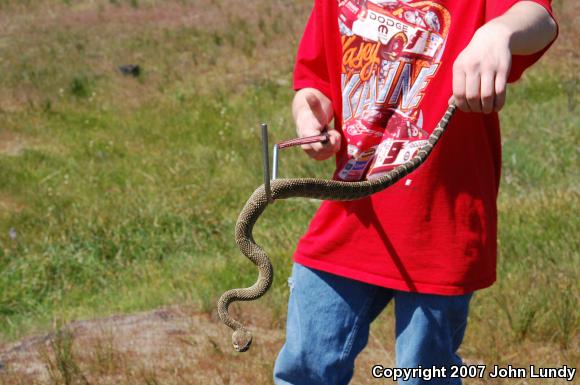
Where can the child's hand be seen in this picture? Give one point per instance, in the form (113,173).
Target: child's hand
(481,70)
(312,113)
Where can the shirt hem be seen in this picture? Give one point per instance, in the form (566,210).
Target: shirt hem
(392,283)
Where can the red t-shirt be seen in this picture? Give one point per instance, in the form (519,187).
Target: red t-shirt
(435,231)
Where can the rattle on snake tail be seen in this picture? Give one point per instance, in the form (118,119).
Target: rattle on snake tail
(306,188)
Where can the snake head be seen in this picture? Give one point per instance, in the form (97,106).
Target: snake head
(241,339)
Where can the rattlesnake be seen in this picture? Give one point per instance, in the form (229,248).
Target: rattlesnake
(305,188)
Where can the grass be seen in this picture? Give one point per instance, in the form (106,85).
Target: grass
(120,194)
(118,191)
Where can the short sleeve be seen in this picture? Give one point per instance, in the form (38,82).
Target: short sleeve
(311,69)
(520,63)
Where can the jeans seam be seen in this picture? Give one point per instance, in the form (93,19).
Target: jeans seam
(351,337)
(458,329)
(463,324)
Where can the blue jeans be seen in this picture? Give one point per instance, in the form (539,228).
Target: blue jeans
(328,326)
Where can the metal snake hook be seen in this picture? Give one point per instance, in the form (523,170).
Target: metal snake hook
(323,138)
(266,162)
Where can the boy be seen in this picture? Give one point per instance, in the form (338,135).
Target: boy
(429,241)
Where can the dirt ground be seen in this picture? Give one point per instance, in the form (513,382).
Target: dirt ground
(172,345)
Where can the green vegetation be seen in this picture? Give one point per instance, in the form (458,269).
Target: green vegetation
(125,191)
(120,194)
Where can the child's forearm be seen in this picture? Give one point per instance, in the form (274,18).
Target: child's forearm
(529,27)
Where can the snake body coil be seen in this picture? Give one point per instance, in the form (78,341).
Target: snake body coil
(305,188)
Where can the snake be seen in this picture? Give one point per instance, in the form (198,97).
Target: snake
(314,188)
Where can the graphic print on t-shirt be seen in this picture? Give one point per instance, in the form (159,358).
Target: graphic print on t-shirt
(391,49)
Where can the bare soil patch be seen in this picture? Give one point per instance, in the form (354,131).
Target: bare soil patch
(9,204)
(171,346)
(179,345)
(11,144)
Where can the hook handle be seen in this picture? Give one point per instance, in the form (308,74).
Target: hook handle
(291,143)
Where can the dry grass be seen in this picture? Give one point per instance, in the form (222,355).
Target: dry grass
(206,45)
(564,53)
(170,346)
(182,346)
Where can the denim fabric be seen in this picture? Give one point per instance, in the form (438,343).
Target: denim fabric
(328,326)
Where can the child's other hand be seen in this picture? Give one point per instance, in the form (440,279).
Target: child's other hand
(312,114)
(481,70)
